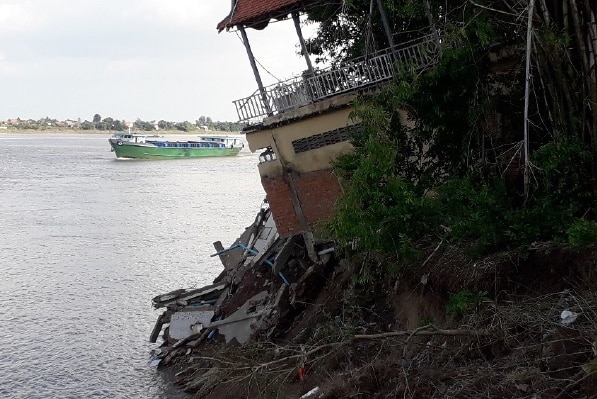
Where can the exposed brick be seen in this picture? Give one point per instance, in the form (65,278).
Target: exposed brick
(280,203)
(317,192)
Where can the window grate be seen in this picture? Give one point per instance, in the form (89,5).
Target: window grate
(324,139)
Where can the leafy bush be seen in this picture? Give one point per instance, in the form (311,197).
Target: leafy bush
(431,163)
(465,301)
(582,233)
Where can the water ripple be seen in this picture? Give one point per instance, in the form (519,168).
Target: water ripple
(87,242)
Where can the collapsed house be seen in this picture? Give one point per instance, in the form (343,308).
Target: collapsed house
(265,276)
(299,127)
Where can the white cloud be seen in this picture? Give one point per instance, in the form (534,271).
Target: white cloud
(174,13)
(152,59)
(16,15)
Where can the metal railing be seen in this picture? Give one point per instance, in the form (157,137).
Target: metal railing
(363,72)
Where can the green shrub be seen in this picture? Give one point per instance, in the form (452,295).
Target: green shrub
(465,301)
(582,233)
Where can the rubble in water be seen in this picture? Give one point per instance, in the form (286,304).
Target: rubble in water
(264,276)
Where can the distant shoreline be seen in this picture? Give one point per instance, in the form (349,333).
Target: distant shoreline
(110,132)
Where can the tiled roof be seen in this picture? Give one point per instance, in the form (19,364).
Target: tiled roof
(257,13)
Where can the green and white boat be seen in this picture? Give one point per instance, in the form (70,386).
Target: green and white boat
(142,146)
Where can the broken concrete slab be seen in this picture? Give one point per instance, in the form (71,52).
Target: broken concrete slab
(189,321)
(168,296)
(184,297)
(263,240)
(242,323)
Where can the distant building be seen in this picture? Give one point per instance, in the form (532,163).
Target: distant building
(72,123)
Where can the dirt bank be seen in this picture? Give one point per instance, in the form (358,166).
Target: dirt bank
(513,325)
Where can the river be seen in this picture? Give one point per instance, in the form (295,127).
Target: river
(86,241)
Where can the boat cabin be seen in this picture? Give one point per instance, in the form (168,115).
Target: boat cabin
(134,138)
(223,140)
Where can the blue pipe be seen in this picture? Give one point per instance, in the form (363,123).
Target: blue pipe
(283,278)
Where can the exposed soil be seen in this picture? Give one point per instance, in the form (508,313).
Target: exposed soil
(410,337)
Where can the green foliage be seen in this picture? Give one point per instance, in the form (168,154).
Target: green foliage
(465,301)
(86,125)
(185,126)
(395,196)
(474,211)
(143,125)
(564,165)
(349,30)
(582,233)
(380,209)
(118,125)
(427,164)
(165,125)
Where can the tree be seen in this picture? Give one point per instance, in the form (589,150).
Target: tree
(118,125)
(97,118)
(356,28)
(143,125)
(165,125)
(86,125)
(184,126)
(463,142)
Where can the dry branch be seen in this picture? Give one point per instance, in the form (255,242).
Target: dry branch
(457,332)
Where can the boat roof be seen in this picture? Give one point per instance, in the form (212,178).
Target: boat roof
(219,136)
(136,134)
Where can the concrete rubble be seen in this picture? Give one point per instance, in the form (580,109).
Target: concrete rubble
(265,276)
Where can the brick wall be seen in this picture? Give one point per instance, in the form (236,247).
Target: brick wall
(317,192)
(278,197)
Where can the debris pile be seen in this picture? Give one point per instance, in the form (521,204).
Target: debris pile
(265,278)
(452,327)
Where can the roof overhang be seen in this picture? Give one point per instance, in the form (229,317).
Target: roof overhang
(258,13)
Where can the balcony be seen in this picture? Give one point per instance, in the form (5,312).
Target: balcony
(354,75)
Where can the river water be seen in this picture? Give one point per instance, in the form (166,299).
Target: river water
(86,241)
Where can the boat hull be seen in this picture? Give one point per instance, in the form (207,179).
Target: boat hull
(144,151)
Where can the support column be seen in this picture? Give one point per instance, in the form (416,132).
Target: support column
(296,204)
(431,23)
(255,71)
(299,32)
(386,25)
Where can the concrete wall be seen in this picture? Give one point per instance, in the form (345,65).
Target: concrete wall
(307,173)
(281,138)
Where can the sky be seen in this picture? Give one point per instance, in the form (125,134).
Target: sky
(129,59)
